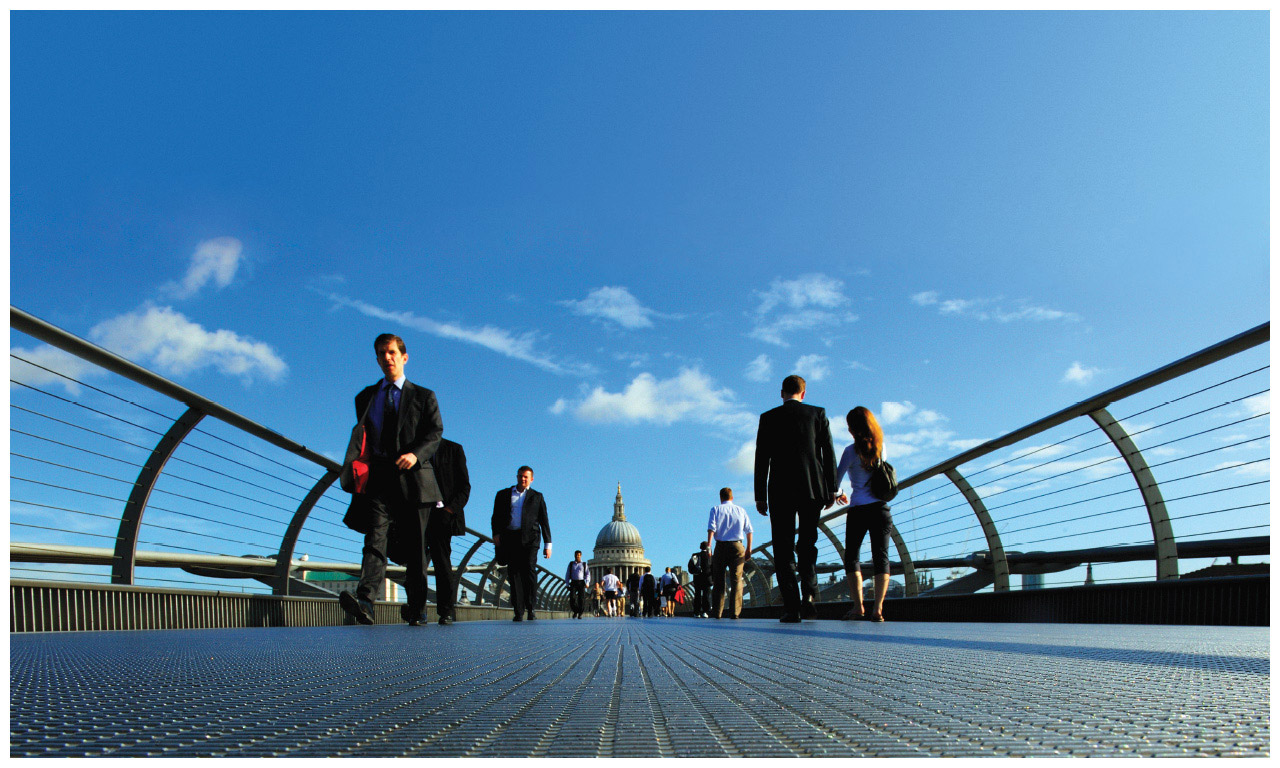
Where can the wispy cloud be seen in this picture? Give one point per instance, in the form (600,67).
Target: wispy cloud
(615,304)
(690,396)
(167,340)
(812,367)
(56,362)
(807,302)
(991,309)
(760,369)
(215,261)
(743,462)
(516,346)
(1079,374)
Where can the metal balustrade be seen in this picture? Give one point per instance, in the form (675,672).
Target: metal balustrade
(119,476)
(1171,466)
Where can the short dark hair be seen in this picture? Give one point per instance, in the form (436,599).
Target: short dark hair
(792,385)
(577,551)
(726,494)
(521,470)
(387,338)
(647,569)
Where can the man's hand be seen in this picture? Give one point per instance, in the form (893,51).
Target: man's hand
(446,509)
(496,540)
(546,552)
(762,508)
(407,461)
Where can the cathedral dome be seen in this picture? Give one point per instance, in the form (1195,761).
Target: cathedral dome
(618,533)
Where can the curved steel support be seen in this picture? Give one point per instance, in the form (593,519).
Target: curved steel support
(131,517)
(284,560)
(487,576)
(910,586)
(1161,528)
(832,537)
(462,565)
(999,565)
(759,584)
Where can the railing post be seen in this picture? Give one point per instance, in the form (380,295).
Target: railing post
(131,516)
(909,584)
(999,564)
(1161,528)
(284,559)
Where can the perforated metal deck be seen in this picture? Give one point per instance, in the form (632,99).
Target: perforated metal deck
(645,688)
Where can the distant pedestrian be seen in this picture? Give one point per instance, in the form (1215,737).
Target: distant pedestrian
(867,514)
(519,523)
(669,584)
(577,578)
(700,568)
(633,594)
(649,593)
(728,525)
(610,584)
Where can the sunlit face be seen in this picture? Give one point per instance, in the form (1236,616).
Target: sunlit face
(524,480)
(577,556)
(391,360)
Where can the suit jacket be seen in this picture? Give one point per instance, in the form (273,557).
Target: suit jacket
(418,430)
(450,463)
(795,460)
(633,584)
(648,585)
(533,517)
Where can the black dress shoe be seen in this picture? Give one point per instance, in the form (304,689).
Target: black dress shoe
(531,617)
(790,618)
(413,620)
(356,609)
(808,610)
(517,617)
(445,621)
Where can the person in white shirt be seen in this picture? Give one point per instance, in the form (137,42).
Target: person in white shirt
(578,579)
(866,513)
(610,584)
(727,526)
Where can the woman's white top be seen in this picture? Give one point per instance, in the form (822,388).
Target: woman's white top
(850,464)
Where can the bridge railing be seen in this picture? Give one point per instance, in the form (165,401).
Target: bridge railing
(1151,480)
(120,476)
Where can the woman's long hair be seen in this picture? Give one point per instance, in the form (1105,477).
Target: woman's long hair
(868,438)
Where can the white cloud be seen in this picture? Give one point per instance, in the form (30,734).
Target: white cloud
(1258,404)
(613,303)
(892,413)
(519,347)
(854,365)
(807,302)
(812,367)
(744,461)
(760,369)
(215,261)
(55,360)
(559,406)
(991,309)
(1250,470)
(1079,374)
(166,339)
(689,396)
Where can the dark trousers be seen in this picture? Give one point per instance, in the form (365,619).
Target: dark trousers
(861,520)
(577,596)
(387,502)
(521,559)
(439,546)
(701,595)
(803,554)
(650,602)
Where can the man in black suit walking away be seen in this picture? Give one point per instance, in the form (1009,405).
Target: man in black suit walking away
(649,593)
(446,521)
(519,523)
(795,478)
(403,428)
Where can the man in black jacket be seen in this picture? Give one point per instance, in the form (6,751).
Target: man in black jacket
(519,522)
(700,567)
(649,593)
(447,520)
(403,427)
(795,478)
(633,594)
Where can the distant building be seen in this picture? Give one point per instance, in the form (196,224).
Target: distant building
(618,546)
(1033,581)
(338,583)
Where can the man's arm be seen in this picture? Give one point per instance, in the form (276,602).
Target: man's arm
(711,541)
(426,438)
(746,553)
(762,468)
(461,490)
(545,525)
(827,456)
(497,510)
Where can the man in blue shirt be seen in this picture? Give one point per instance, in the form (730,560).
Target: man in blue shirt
(727,526)
(576,579)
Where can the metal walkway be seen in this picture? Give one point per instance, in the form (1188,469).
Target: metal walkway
(645,688)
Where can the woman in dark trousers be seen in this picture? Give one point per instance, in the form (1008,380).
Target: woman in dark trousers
(866,513)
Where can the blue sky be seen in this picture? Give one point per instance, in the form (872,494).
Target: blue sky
(606,238)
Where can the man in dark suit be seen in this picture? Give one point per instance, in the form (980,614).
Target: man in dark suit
(795,478)
(519,523)
(403,428)
(446,521)
(649,593)
(633,594)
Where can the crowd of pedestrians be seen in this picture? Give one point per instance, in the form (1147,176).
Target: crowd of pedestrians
(410,486)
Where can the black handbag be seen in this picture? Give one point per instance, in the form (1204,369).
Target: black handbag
(359,515)
(883,481)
